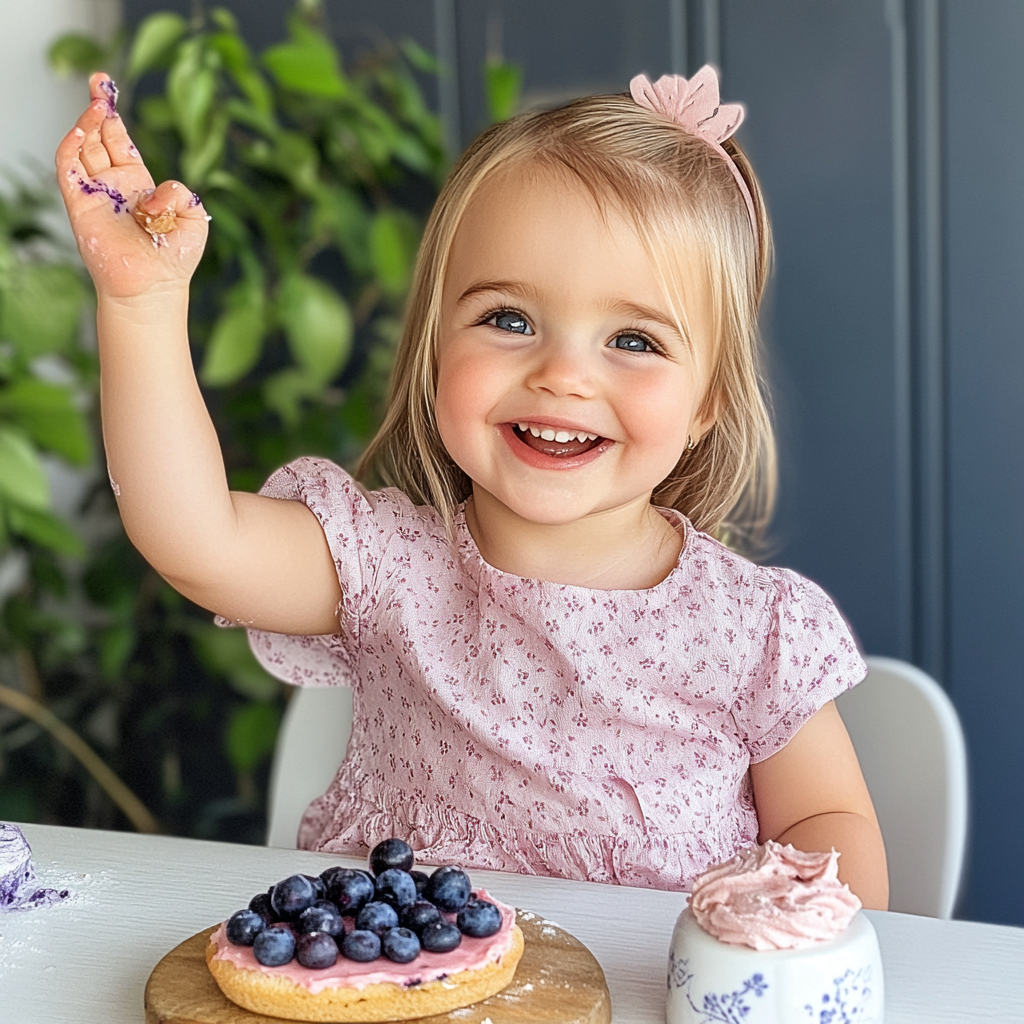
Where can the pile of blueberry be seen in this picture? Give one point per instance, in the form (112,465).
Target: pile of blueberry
(397,912)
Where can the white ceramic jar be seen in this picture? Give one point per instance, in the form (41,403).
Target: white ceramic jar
(712,982)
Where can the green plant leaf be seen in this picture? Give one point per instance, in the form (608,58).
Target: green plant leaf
(307,64)
(76,54)
(156,113)
(199,160)
(226,652)
(190,88)
(40,306)
(503,84)
(419,58)
(22,480)
(46,529)
(238,60)
(115,644)
(236,342)
(393,239)
(251,734)
(317,323)
(49,415)
(284,391)
(154,40)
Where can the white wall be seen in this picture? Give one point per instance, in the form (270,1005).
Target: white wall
(40,107)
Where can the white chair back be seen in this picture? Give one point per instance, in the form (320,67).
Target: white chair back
(311,745)
(911,749)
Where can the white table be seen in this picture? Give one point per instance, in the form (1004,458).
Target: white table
(136,897)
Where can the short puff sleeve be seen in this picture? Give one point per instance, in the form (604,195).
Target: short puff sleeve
(352,521)
(802,656)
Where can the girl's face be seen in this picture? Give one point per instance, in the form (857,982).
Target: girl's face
(564,387)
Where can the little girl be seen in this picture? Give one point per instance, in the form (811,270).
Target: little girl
(556,667)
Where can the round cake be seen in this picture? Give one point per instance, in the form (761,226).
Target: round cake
(773,937)
(355,946)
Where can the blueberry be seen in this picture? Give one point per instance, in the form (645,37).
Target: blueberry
(479,919)
(392,853)
(261,904)
(420,878)
(400,945)
(243,927)
(318,886)
(440,937)
(448,887)
(397,883)
(328,875)
(290,897)
(377,918)
(274,946)
(350,892)
(416,916)
(316,950)
(361,945)
(323,916)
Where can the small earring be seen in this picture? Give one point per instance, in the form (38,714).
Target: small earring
(690,443)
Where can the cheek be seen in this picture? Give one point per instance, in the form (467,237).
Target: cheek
(461,394)
(658,413)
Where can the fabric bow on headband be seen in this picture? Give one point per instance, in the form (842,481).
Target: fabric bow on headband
(695,107)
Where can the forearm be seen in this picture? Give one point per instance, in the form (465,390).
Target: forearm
(858,839)
(162,450)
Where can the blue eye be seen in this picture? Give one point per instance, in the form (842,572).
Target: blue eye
(631,343)
(509,320)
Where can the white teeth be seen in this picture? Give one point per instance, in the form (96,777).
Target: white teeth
(559,436)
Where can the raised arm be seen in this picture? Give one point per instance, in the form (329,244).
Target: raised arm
(258,561)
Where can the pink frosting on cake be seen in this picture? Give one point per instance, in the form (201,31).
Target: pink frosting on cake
(774,897)
(471,954)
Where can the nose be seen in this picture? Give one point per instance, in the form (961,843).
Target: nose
(562,367)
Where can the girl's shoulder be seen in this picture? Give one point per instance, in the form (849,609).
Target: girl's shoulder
(772,594)
(333,494)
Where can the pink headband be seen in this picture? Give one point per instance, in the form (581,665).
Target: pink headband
(695,107)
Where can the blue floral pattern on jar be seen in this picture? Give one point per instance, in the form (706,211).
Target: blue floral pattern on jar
(847,1002)
(716,1008)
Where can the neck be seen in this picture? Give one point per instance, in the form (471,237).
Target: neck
(632,547)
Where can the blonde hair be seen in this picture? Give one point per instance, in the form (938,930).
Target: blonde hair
(670,185)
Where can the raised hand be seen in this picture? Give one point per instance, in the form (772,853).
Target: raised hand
(133,236)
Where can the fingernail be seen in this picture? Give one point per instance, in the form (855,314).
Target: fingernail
(148,191)
(79,133)
(174,184)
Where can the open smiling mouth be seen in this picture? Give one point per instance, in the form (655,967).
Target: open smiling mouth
(560,444)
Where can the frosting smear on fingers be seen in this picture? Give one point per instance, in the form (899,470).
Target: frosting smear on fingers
(774,897)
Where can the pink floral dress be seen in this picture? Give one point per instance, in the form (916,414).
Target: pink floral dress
(520,725)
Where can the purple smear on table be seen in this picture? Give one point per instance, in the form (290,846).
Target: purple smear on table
(92,187)
(110,91)
(17,879)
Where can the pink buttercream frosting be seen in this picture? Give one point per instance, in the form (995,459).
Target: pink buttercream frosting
(774,897)
(471,954)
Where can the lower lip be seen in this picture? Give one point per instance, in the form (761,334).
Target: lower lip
(538,460)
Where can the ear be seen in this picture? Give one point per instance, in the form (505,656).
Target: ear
(706,415)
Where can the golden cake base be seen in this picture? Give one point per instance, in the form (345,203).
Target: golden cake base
(558,981)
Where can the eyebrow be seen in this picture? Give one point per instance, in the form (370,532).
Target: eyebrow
(508,287)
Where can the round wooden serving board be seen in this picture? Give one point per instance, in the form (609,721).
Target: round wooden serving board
(558,981)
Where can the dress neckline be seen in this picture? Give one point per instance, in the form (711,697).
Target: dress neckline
(470,554)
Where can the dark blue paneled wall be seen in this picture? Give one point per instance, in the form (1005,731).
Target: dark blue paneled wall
(889,139)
